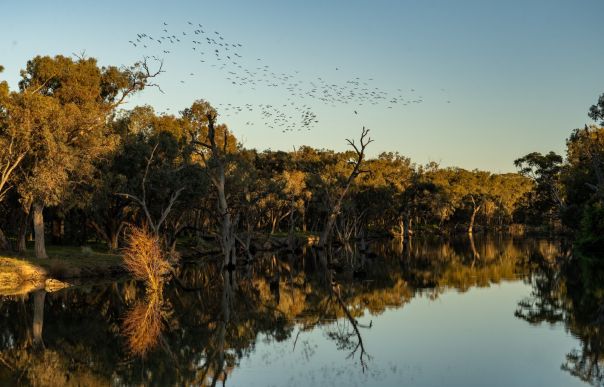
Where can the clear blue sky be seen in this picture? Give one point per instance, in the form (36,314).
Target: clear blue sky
(519,75)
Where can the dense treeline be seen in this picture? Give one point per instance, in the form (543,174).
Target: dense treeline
(76,167)
(569,192)
(82,169)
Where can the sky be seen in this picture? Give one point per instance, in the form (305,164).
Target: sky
(474,84)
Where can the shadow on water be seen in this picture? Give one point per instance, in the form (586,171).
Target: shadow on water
(198,329)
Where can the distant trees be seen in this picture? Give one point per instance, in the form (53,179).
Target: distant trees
(71,160)
(547,199)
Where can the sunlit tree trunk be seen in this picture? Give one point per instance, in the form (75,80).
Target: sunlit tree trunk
(473,217)
(290,235)
(39,230)
(401,227)
(409,229)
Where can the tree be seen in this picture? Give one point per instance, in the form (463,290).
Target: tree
(76,98)
(596,111)
(214,144)
(356,163)
(545,171)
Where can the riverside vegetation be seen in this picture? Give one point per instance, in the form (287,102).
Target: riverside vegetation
(153,193)
(78,169)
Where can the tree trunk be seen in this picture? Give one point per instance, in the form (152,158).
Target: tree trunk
(409,229)
(39,230)
(273,224)
(23,225)
(472,218)
(290,236)
(228,234)
(58,231)
(113,244)
(331,220)
(4,244)
(401,227)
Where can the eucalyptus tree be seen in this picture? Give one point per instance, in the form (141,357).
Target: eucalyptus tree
(545,171)
(73,102)
(215,145)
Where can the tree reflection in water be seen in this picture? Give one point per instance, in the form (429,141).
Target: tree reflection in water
(197,329)
(573,295)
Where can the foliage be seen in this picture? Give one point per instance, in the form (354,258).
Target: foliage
(144,258)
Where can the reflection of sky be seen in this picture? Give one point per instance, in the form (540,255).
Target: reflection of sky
(459,339)
(519,74)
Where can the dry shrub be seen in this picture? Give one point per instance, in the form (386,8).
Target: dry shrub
(144,258)
(143,324)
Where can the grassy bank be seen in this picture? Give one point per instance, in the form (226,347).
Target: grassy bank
(20,274)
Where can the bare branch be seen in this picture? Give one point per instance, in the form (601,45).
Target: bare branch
(165,212)
(364,356)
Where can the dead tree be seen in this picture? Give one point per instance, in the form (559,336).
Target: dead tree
(155,225)
(356,170)
(216,168)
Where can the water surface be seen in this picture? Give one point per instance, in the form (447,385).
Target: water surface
(494,312)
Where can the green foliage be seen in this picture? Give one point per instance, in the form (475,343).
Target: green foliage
(591,233)
(87,162)
(596,111)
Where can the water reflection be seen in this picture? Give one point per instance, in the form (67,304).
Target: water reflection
(199,327)
(572,295)
(143,324)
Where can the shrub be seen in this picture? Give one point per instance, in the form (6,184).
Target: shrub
(144,258)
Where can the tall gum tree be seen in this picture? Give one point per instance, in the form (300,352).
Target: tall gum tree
(76,100)
(215,145)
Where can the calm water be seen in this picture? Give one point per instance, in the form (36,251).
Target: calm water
(496,312)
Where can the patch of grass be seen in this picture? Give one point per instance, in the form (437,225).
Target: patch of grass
(72,262)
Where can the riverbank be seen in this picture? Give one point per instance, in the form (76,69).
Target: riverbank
(21,274)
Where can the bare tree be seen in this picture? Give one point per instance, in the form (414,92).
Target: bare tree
(142,201)
(216,164)
(356,170)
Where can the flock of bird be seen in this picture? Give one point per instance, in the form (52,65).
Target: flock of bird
(295,112)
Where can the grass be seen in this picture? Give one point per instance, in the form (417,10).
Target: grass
(67,262)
